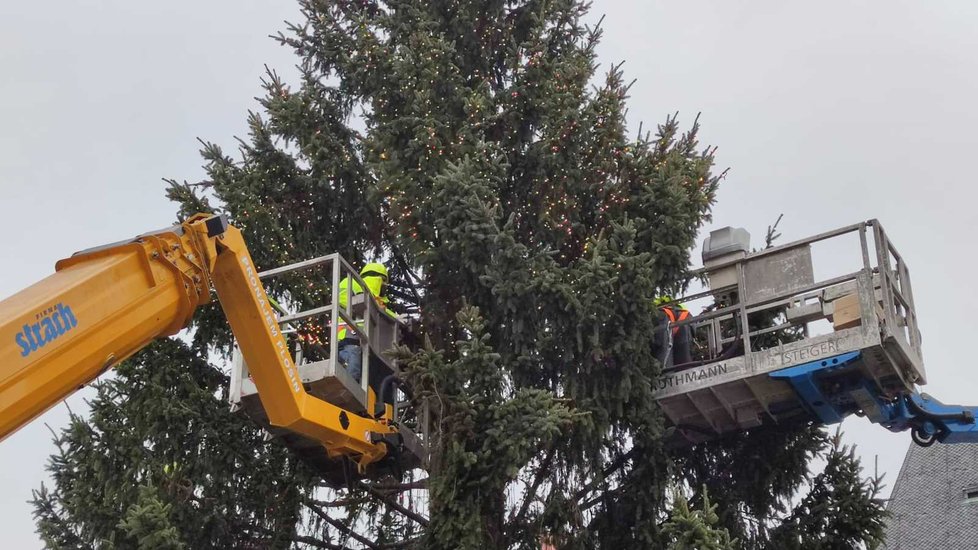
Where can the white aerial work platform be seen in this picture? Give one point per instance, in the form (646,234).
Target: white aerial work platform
(312,334)
(776,343)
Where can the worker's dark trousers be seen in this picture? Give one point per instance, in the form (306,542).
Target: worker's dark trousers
(680,352)
(681,348)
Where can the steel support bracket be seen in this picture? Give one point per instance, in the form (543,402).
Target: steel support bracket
(804,379)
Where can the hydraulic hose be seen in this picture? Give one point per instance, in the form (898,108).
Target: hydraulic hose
(387,386)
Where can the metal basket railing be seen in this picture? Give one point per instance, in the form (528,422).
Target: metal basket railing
(793,302)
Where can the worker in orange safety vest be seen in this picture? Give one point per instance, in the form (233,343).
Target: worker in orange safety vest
(680,335)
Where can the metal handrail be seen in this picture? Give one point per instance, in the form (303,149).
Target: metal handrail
(298,266)
(768,303)
(894,287)
(303,315)
(338,271)
(788,246)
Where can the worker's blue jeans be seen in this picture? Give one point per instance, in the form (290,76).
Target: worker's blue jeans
(352,356)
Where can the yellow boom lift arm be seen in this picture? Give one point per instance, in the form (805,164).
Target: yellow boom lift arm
(104,304)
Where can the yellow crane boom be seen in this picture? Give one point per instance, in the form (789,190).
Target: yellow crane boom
(104,304)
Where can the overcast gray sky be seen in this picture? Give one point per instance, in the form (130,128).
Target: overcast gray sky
(830,113)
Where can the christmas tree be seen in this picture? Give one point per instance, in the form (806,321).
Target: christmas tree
(474,145)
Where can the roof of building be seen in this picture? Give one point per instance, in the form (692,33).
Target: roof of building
(934,503)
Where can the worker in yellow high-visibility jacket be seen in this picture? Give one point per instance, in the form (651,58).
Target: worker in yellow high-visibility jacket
(374,275)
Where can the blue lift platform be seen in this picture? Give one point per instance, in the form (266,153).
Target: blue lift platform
(778,341)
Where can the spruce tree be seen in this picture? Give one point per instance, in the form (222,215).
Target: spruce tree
(474,145)
(161,462)
(840,510)
(691,529)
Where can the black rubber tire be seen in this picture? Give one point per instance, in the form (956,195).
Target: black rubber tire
(920,438)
